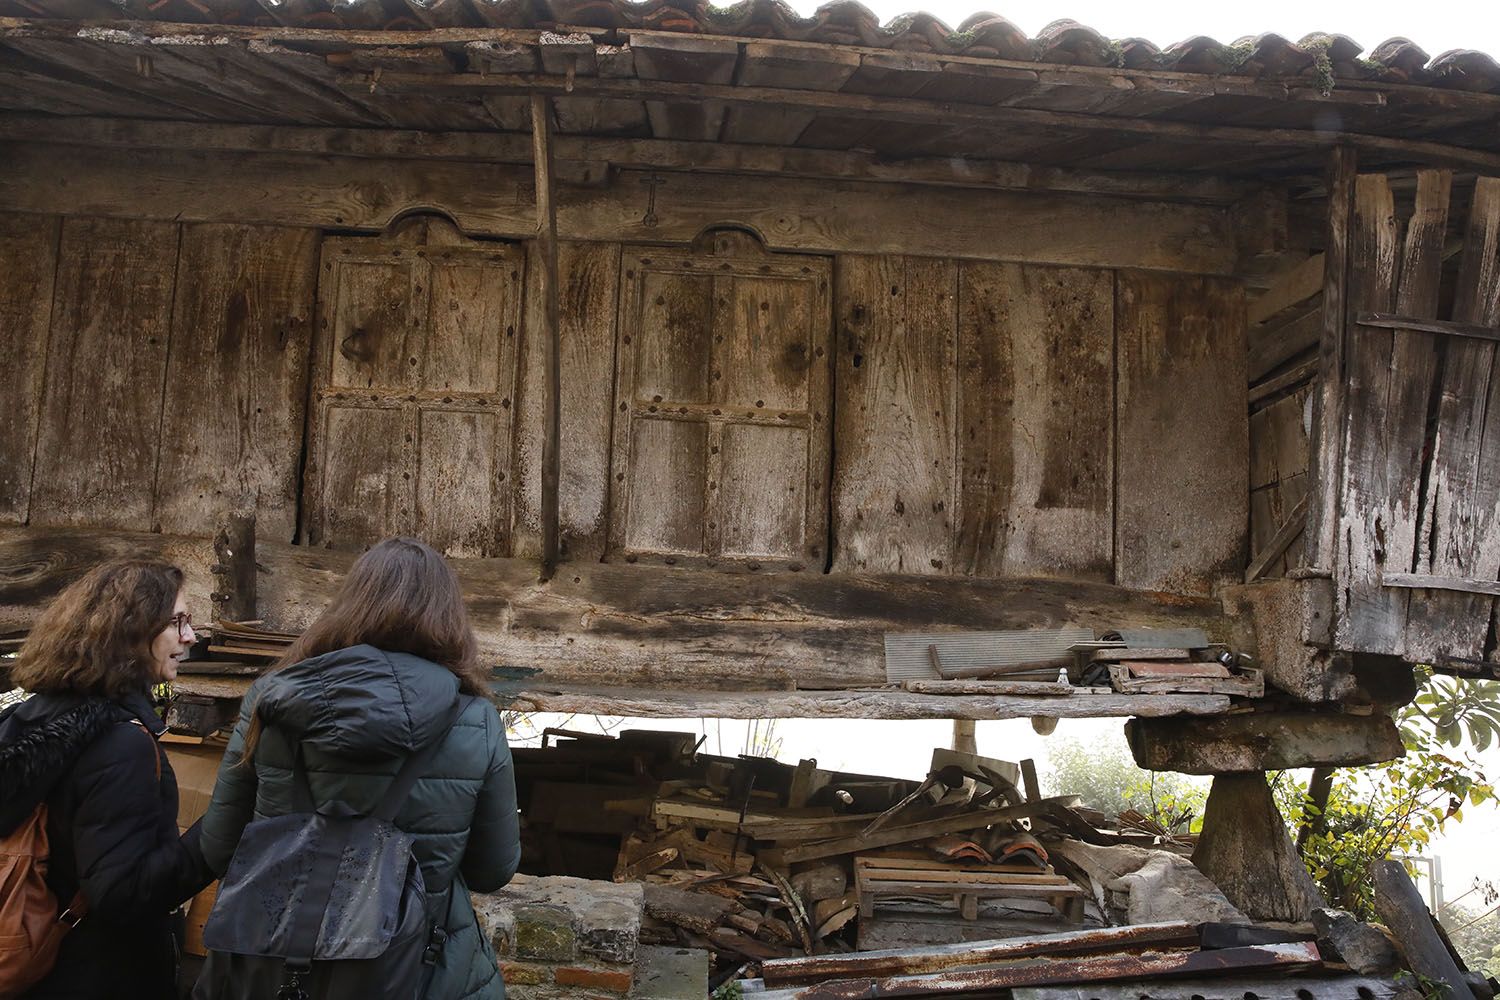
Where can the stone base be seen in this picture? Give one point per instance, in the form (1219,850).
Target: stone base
(670,973)
(1262,741)
(1244,849)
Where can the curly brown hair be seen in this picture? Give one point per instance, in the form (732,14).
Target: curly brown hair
(402,597)
(95,638)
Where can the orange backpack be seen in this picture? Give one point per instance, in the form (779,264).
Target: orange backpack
(32,924)
(31,928)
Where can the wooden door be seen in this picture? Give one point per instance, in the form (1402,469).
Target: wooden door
(1418,539)
(415,371)
(722,430)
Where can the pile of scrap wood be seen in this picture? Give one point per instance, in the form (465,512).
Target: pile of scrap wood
(1245,960)
(757,860)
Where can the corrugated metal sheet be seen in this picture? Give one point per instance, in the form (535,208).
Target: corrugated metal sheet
(907,656)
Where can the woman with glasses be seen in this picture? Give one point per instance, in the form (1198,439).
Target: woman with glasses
(80,757)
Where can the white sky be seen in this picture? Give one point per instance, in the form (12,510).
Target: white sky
(1437,26)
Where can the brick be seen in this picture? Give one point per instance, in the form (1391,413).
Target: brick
(516,974)
(595,979)
(545,933)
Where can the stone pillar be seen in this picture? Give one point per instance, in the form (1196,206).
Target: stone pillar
(1246,851)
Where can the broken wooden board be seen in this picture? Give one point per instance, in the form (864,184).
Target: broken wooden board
(908,961)
(1247,683)
(1057,971)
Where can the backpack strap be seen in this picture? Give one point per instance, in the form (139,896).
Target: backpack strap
(416,765)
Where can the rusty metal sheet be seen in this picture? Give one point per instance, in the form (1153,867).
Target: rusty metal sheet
(1227,988)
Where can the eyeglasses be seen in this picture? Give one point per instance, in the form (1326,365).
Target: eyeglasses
(183,622)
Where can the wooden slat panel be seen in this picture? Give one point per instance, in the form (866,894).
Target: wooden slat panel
(28,262)
(374,332)
(460,504)
(106,365)
(1278,473)
(1182,489)
(762,357)
(589,276)
(666,502)
(762,510)
(1036,428)
(365,492)
(672,350)
(244,308)
(471,325)
(1390,374)
(893,479)
(1459,519)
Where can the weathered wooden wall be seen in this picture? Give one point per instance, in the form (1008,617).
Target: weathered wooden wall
(1063,413)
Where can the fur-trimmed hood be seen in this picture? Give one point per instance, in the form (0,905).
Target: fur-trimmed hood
(40,738)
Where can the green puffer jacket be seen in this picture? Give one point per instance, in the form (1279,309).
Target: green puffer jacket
(358,712)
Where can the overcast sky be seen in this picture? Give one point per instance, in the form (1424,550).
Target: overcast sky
(1437,26)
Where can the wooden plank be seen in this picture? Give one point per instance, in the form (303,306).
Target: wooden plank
(1325,463)
(1390,381)
(1299,376)
(893,435)
(107,356)
(1401,907)
(1290,530)
(773,63)
(1445,327)
(1426,581)
(1299,284)
(1459,530)
(683,59)
(589,280)
(549,332)
(1183,432)
(1278,472)
(244,301)
(788,213)
(1036,421)
(655,154)
(28,261)
(822,968)
(1275,343)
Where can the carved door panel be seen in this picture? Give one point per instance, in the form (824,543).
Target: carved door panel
(415,370)
(722,431)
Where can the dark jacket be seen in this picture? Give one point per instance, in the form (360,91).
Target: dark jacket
(359,712)
(112,830)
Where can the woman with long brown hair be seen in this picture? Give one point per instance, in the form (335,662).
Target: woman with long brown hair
(370,684)
(83,748)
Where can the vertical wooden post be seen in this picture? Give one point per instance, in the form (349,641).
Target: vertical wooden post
(1327,441)
(546,238)
(234,570)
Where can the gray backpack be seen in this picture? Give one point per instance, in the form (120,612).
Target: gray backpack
(325,905)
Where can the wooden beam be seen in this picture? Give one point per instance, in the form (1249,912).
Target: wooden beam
(1401,907)
(633,697)
(655,154)
(1325,444)
(660,629)
(1295,523)
(1422,581)
(788,213)
(1297,285)
(916,111)
(546,235)
(1285,382)
(1389,322)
